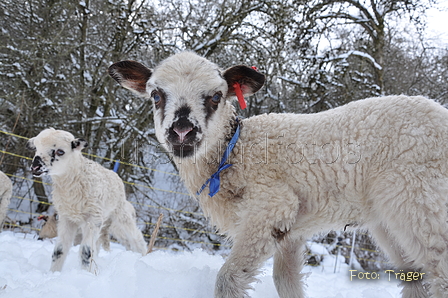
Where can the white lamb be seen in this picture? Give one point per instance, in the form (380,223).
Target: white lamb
(379,162)
(86,196)
(5,196)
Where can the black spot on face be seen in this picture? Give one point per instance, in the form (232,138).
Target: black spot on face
(183,146)
(185,150)
(78,142)
(182,122)
(182,112)
(57,253)
(86,254)
(75,144)
(53,156)
(37,161)
(211,103)
(36,166)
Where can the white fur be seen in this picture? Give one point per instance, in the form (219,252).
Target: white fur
(379,162)
(86,196)
(5,196)
(49,229)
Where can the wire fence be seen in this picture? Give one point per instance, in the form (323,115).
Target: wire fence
(341,249)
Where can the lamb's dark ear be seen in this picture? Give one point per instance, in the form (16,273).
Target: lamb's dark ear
(79,144)
(30,145)
(131,75)
(249,79)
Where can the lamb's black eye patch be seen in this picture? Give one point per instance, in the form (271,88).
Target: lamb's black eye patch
(159,98)
(53,156)
(211,103)
(160,105)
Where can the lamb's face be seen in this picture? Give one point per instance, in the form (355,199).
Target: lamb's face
(187,95)
(191,98)
(54,151)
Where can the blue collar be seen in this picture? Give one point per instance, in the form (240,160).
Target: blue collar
(214,180)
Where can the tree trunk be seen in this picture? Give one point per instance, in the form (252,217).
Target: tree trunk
(39,191)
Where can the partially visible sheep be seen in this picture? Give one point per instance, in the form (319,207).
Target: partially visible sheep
(5,196)
(380,162)
(86,196)
(49,229)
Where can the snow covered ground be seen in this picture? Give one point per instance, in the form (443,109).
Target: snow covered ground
(25,262)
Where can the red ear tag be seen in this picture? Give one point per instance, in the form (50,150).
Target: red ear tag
(239,95)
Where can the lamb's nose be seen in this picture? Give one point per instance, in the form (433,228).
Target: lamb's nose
(37,163)
(182,132)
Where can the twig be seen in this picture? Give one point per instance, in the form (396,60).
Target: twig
(93,267)
(154,233)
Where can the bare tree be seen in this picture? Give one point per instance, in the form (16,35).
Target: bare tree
(372,16)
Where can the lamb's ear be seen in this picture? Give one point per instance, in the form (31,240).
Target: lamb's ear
(79,144)
(30,144)
(131,75)
(249,79)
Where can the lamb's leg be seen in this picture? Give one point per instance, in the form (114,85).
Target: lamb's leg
(413,289)
(413,209)
(66,235)
(251,248)
(104,239)
(431,250)
(288,262)
(125,229)
(131,237)
(90,233)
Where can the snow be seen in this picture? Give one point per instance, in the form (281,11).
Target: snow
(48,68)
(360,54)
(25,262)
(87,76)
